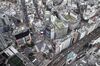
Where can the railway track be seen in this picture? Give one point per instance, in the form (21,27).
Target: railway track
(77,46)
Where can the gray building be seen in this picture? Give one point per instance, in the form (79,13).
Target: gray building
(3,43)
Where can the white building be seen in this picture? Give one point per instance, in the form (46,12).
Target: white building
(90,12)
(10,51)
(61,45)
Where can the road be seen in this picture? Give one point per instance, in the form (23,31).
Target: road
(77,46)
(26,61)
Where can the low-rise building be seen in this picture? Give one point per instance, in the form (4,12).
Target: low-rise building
(22,36)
